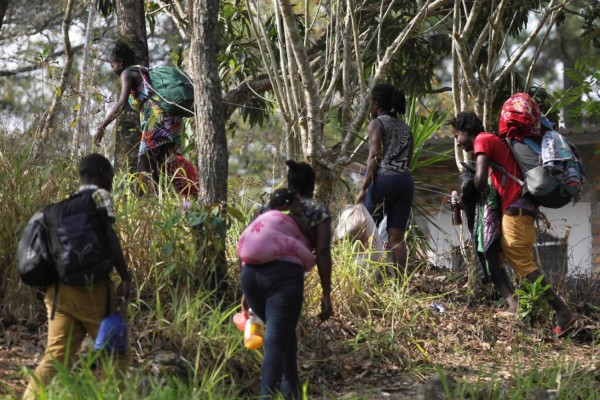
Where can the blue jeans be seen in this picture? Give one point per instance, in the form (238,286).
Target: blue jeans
(275,292)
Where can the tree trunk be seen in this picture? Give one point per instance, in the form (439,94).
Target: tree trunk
(85,80)
(48,122)
(210,126)
(131,29)
(3,7)
(311,93)
(211,136)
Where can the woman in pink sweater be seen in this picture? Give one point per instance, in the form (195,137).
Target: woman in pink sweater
(278,234)
(275,251)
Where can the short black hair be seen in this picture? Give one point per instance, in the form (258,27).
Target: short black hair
(95,165)
(123,52)
(467,121)
(282,197)
(301,177)
(389,98)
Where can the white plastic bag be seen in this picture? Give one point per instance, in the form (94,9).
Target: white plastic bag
(383,233)
(355,223)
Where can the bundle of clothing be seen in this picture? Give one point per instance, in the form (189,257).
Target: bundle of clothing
(520,117)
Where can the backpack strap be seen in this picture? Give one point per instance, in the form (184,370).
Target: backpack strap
(139,68)
(53,245)
(532,145)
(500,168)
(55,300)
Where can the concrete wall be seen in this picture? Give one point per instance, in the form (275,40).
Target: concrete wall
(570,225)
(593,176)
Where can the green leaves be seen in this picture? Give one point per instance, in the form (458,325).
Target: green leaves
(423,128)
(530,296)
(578,103)
(581,100)
(239,58)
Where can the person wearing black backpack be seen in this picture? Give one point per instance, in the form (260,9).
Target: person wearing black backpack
(161,131)
(518,213)
(84,249)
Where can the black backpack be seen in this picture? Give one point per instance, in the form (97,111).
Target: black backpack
(77,239)
(34,264)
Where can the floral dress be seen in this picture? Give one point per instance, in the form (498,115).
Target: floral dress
(158,127)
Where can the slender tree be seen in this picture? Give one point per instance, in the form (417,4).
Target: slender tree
(210,125)
(85,79)
(131,29)
(48,121)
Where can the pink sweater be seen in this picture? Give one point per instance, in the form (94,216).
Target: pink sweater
(272,236)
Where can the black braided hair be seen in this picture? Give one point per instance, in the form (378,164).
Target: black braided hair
(123,52)
(389,99)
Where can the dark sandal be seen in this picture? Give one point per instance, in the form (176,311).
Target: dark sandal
(561,332)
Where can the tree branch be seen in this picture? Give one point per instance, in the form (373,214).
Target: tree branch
(519,53)
(332,62)
(472,20)
(480,42)
(536,56)
(40,64)
(346,85)
(392,50)
(179,22)
(494,34)
(244,92)
(85,80)
(315,130)
(455,62)
(467,66)
(267,55)
(357,52)
(442,89)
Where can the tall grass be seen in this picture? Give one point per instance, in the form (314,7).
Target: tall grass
(171,309)
(379,317)
(26,188)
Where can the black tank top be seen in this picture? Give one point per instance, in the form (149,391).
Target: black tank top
(397,140)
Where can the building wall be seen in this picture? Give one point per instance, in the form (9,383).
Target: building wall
(570,225)
(593,175)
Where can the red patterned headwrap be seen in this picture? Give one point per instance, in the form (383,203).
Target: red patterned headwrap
(520,117)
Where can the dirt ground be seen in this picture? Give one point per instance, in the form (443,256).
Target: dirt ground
(470,340)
